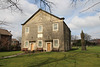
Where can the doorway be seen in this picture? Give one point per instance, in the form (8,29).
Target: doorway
(48,46)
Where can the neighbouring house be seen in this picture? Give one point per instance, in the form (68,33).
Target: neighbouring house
(5,40)
(15,44)
(95,41)
(45,31)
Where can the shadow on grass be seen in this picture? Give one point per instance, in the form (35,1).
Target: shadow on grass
(48,61)
(73,49)
(1,65)
(10,51)
(54,60)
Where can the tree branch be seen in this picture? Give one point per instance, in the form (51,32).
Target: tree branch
(90,7)
(10,4)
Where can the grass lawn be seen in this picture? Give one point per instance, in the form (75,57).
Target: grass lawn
(2,54)
(75,58)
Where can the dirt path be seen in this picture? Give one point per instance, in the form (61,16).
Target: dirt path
(12,56)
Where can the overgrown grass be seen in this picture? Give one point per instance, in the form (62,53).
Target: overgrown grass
(75,58)
(2,54)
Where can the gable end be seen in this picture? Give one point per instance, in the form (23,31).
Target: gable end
(43,11)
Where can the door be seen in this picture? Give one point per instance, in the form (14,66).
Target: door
(32,47)
(48,46)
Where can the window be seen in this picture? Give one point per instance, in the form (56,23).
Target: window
(26,43)
(40,43)
(56,42)
(55,27)
(40,35)
(40,28)
(27,29)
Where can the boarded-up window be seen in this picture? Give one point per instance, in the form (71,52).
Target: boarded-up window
(40,35)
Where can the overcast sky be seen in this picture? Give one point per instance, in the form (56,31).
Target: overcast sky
(88,21)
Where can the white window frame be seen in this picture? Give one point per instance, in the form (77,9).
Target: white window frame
(41,27)
(25,44)
(40,35)
(57,27)
(54,45)
(38,44)
(27,28)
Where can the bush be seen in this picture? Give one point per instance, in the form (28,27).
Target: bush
(78,43)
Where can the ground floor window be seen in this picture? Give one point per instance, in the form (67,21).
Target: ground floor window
(26,43)
(40,43)
(56,42)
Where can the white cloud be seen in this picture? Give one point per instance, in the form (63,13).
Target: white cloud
(90,25)
(87,22)
(61,8)
(16,18)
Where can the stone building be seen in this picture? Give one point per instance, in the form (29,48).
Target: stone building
(5,40)
(45,31)
(15,44)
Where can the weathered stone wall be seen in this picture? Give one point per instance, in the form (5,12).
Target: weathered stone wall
(67,37)
(47,21)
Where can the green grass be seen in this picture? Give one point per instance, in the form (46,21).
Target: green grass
(75,58)
(2,54)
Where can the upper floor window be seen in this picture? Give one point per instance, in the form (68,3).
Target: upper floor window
(56,42)
(40,28)
(27,29)
(55,27)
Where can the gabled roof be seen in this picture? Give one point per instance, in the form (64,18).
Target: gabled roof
(43,11)
(5,32)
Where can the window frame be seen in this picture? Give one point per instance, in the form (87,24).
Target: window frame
(25,43)
(38,44)
(54,45)
(57,27)
(40,35)
(27,28)
(41,29)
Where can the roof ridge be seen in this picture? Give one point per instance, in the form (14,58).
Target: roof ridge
(44,11)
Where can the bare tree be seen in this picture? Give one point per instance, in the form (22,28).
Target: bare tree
(74,37)
(44,4)
(14,5)
(87,36)
(10,4)
(74,2)
(19,39)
